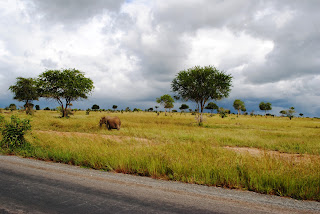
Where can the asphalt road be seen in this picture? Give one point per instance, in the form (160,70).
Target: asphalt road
(31,186)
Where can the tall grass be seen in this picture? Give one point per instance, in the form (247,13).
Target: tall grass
(176,148)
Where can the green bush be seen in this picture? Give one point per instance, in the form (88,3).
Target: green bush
(13,132)
(88,111)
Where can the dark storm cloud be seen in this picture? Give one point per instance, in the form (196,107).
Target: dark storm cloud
(192,15)
(71,11)
(293,27)
(296,51)
(139,46)
(159,49)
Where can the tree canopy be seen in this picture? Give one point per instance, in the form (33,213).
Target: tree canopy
(12,106)
(239,106)
(68,84)
(95,107)
(288,113)
(167,102)
(200,84)
(212,106)
(265,107)
(183,107)
(25,90)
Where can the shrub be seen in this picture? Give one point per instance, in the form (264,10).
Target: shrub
(13,132)
(88,111)
(223,112)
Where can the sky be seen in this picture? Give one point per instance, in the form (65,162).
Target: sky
(133,49)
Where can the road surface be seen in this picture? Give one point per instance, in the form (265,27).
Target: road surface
(32,186)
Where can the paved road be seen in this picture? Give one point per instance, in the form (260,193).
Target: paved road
(31,186)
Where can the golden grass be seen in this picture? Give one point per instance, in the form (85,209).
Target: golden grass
(175,147)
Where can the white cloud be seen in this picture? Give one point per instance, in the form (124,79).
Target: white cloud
(133,49)
(223,48)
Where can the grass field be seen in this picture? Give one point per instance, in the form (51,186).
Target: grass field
(266,155)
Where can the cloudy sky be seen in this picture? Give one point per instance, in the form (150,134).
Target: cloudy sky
(133,49)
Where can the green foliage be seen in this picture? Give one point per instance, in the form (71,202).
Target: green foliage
(1,120)
(265,107)
(37,107)
(239,106)
(12,106)
(88,111)
(25,90)
(223,112)
(13,132)
(288,113)
(183,107)
(95,107)
(212,106)
(114,107)
(200,84)
(167,102)
(46,108)
(68,84)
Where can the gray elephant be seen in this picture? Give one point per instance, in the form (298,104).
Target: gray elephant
(111,122)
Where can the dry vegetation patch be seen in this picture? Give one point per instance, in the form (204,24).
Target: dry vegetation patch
(261,152)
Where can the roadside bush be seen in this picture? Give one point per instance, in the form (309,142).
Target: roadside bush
(13,132)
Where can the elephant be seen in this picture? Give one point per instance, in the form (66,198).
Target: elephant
(111,122)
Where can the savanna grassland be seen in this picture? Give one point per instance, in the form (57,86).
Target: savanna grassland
(266,155)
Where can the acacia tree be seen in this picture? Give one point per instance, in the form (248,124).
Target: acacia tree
(12,107)
(200,84)
(25,90)
(288,113)
(239,106)
(265,107)
(95,107)
(64,85)
(183,107)
(212,106)
(167,102)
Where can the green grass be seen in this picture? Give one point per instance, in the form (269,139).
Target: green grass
(176,148)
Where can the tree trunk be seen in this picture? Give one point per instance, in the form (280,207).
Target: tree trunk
(201,112)
(63,111)
(165,112)
(27,104)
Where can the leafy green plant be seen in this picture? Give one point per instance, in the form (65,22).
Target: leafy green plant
(223,112)
(64,85)
(88,111)
(13,132)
